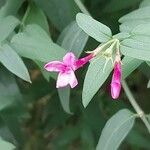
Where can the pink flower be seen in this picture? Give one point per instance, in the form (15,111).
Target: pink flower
(116,81)
(66,69)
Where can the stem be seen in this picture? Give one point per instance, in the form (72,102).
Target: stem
(25,17)
(82,7)
(133,102)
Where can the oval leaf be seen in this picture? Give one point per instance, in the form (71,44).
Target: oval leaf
(115,130)
(135,49)
(93,28)
(142,13)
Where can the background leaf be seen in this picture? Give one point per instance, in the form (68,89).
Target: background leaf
(73,39)
(35,44)
(37,16)
(7,25)
(116,5)
(10,8)
(115,130)
(10,59)
(57,8)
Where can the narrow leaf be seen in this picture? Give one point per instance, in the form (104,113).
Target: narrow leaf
(135,49)
(64,95)
(148,85)
(37,16)
(10,59)
(116,5)
(145,3)
(65,10)
(7,25)
(93,28)
(94,79)
(10,8)
(142,29)
(4,145)
(142,13)
(128,26)
(115,130)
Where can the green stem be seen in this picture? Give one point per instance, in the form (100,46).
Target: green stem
(24,17)
(82,7)
(133,102)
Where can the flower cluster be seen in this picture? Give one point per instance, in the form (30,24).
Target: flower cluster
(66,70)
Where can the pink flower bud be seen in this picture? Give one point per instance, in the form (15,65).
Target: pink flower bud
(116,81)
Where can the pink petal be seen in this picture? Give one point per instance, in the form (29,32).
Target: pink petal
(66,78)
(116,81)
(115,90)
(55,66)
(80,62)
(73,80)
(69,59)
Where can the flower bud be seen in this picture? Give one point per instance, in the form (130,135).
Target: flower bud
(116,80)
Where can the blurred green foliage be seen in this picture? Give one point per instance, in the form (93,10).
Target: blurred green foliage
(31,114)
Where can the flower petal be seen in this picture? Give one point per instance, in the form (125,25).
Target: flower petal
(69,59)
(115,90)
(55,66)
(73,80)
(116,81)
(82,61)
(65,78)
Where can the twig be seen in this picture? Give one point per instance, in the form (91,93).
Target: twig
(133,102)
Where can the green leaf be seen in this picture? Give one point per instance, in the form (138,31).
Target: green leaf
(12,107)
(10,8)
(142,13)
(121,36)
(115,130)
(128,26)
(37,16)
(57,8)
(129,65)
(94,79)
(93,28)
(73,39)
(145,3)
(135,49)
(143,29)
(117,5)
(7,25)
(4,145)
(64,95)
(10,59)
(35,44)
(148,85)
